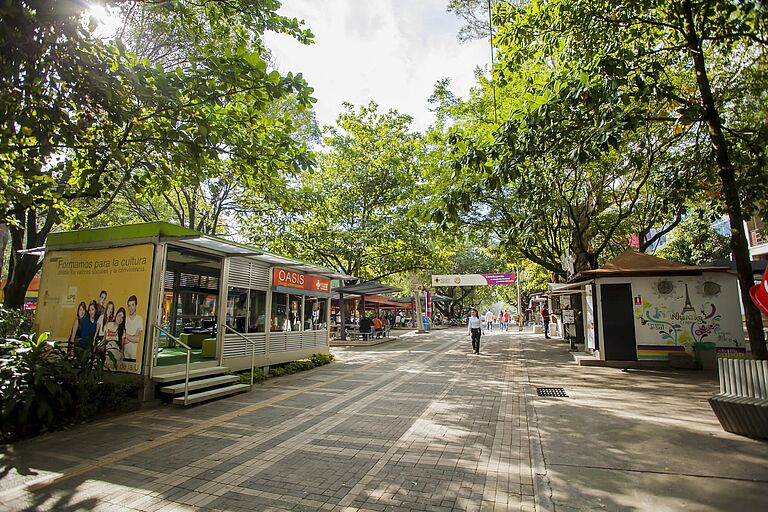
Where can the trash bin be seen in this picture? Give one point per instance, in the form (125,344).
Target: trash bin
(706,355)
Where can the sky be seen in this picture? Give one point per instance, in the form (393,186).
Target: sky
(389,51)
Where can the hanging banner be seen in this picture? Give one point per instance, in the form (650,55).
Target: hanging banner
(473,279)
(429,305)
(98,298)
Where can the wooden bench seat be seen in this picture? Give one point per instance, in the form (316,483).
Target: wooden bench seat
(742,404)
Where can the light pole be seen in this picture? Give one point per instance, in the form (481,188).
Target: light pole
(519,274)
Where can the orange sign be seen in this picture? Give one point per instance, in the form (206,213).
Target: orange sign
(292,279)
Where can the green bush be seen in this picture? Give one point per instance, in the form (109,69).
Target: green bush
(42,389)
(300,365)
(14,323)
(258,376)
(35,382)
(321,359)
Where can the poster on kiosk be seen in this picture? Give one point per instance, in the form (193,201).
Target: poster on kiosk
(98,299)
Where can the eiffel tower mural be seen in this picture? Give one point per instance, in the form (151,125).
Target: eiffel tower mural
(688,308)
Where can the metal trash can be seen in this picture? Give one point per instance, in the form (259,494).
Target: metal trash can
(706,355)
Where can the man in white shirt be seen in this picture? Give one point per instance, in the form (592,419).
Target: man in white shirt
(489,320)
(134,330)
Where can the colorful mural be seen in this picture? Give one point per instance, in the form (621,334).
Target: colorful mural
(681,311)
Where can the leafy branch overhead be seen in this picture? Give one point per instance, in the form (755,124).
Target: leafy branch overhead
(82,119)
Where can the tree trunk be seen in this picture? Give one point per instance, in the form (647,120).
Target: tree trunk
(730,190)
(22,268)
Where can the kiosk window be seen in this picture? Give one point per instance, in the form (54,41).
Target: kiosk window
(257,312)
(315,314)
(237,308)
(280,312)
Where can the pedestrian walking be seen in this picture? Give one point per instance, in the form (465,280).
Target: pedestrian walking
(488,319)
(545,321)
(475,328)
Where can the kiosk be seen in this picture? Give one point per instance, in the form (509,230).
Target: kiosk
(155,282)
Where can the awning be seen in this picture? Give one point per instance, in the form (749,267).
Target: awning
(635,264)
(231,249)
(567,288)
(367,288)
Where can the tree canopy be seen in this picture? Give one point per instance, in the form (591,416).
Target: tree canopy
(83,119)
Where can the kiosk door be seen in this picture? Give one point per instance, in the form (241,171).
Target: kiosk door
(618,322)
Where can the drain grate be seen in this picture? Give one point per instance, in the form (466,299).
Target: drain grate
(560,392)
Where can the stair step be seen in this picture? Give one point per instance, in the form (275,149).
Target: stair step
(211,394)
(197,372)
(175,389)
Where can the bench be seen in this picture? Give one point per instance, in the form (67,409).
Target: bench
(742,404)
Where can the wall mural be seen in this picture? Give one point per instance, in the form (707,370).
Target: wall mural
(680,311)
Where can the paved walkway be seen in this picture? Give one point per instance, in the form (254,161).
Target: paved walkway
(414,424)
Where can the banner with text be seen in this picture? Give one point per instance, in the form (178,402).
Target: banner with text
(300,281)
(473,279)
(98,299)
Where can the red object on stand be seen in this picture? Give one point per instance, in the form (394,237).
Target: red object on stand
(759,294)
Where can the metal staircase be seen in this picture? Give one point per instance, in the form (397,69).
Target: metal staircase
(210,382)
(204,384)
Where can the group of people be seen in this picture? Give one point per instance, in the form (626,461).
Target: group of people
(503,319)
(377,326)
(115,334)
(475,324)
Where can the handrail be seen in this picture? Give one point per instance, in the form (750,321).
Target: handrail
(189,352)
(253,347)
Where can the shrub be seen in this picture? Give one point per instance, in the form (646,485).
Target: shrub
(14,323)
(321,359)
(258,376)
(35,383)
(42,389)
(300,365)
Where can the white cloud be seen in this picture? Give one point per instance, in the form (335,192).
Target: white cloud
(388,51)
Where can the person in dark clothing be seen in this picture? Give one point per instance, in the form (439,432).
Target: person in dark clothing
(545,321)
(366,327)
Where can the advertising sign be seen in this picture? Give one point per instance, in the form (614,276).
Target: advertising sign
(473,279)
(101,297)
(300,281)
(568,317)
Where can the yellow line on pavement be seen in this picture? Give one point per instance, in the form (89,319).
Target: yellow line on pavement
(112,458)
(85,467)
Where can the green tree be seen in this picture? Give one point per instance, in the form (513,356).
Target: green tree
(83,119)
(355,212)
(695,242)
(683,64)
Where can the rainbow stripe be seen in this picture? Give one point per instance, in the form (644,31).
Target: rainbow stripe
(657,352)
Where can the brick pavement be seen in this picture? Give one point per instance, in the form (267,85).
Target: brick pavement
(414,424)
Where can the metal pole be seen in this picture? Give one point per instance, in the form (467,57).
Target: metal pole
(519,303)
(253,360)
(186,379)
(419,327)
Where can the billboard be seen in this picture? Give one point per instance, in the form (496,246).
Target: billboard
(98,295)
(473,279)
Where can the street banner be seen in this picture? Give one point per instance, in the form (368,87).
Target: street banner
(473,279)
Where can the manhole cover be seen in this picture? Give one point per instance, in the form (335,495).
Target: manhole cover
(551,392)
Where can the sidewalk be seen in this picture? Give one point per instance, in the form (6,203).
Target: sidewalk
(636,440)
(418,424)
(415,424)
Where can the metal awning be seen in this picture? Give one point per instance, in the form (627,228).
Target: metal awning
(367,288)
(566,288)
(232,249)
